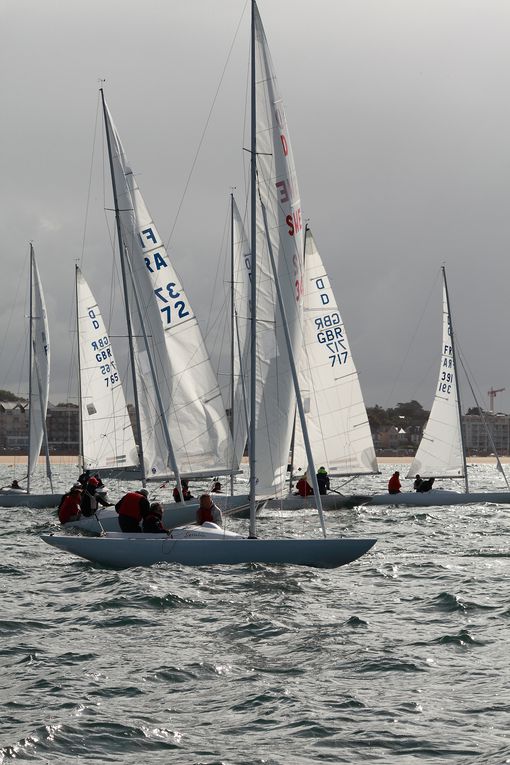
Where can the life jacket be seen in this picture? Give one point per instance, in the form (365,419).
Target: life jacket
(69,507)
(205,515)
(130,505)
(304,488)
(394,484)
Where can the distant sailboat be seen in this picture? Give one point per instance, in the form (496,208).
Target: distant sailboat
(442,452)
(276,246)
(39,385)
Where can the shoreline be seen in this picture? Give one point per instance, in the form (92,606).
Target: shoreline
(66,459)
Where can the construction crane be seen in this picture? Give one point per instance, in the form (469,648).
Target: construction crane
(492,395)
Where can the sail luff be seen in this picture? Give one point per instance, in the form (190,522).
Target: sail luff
(132,362)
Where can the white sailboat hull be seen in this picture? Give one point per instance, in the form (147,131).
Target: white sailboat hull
(329,502)
(123,551)
(439,497)
(22,499)
(174,514)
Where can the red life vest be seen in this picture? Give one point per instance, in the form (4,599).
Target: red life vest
(394,484)
(304,488)
(130,505)
(69,508)
(204,514)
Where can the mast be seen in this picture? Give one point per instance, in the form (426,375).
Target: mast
(459,408)
(253,248)
(126,298)
(232,331)
(80,416)
(30,354)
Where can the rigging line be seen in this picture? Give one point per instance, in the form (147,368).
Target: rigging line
(411,342)
(202,137)
(219,262)
(71,321)
(482,415)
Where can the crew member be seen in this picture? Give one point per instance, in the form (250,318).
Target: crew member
(132,508)
(208,512)
(394,484)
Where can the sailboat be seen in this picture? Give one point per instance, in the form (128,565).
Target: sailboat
(336,416)
(200,441)
(39,384)
(442,452)
(276,256)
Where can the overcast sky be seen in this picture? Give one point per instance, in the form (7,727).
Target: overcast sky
(399,114)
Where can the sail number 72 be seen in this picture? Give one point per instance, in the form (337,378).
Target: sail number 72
(173,308)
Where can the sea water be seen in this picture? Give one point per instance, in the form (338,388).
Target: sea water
(401,656)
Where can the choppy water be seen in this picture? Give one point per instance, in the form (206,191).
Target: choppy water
(401,656)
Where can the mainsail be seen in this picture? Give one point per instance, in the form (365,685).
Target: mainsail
(279,195)
(40,366)
(180,367)
(107,435)
(336,416)
(441,450)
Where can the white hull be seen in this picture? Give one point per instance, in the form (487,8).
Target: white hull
(439,497)
(123,551)
(174,514)
(22,499)
(329,502)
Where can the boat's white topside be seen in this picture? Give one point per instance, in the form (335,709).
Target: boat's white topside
(438,497)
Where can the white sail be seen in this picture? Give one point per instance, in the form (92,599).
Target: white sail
(241,329)
(441,452)
(107,435)
(336,417)
(40,367)
(279,193)
(191,398)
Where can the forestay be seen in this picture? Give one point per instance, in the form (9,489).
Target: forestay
(336,416)
(107,435)
(279,193)
(441,452)
(191,398)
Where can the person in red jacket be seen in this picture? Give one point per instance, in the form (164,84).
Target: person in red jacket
(132,508)
(208,512)
(185,492)
(394,484)
(69,508)
(303,488)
